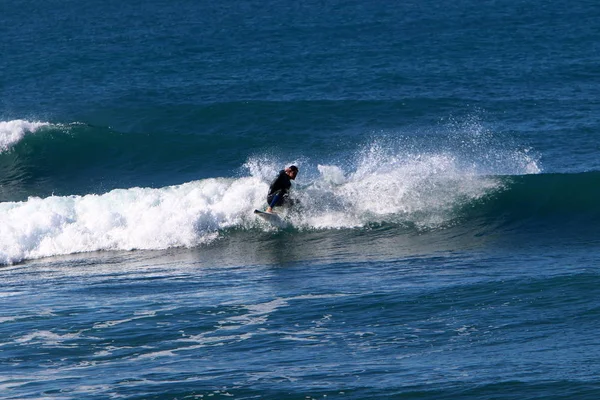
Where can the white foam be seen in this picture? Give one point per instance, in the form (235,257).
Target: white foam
(155,355)
(257,313)
(12,132)
(138,315)
(47,338)
(9,319)
(126,219)
(10,294)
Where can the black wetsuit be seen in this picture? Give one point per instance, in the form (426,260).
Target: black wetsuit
(279,189)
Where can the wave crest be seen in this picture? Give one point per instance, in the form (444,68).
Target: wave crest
(12,132)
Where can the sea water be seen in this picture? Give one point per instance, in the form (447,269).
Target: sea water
(444,239)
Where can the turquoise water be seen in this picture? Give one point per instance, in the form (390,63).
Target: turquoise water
(445,242)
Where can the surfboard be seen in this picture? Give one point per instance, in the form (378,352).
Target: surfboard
(270,217)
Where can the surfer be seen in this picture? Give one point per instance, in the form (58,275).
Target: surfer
(278,191)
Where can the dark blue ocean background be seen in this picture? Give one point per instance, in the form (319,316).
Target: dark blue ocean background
(445,243)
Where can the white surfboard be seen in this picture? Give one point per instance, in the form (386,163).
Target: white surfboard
(271,217)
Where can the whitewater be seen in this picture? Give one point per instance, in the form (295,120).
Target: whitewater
(384,182)
(12,132)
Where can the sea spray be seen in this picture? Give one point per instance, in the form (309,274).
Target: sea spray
(11,132)
(425,191)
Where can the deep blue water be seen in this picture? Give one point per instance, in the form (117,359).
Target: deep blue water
(445,239)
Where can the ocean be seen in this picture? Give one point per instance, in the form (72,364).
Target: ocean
(444,242)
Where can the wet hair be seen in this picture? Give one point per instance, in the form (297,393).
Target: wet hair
(293,168)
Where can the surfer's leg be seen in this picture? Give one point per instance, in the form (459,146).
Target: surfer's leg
(274,199)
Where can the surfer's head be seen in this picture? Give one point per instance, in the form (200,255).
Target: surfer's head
(292,171)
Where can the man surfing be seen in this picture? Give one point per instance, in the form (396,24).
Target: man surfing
(278,191)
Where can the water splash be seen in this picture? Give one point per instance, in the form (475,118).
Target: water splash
(12,132)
